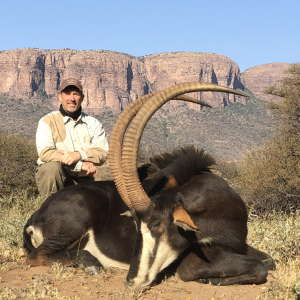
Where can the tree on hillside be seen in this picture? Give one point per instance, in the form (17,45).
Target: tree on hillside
(269,178)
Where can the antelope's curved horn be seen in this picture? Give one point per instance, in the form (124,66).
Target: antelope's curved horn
(139,199)
(116,140)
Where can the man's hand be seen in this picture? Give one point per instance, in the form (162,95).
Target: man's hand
(89,167)
(69,158)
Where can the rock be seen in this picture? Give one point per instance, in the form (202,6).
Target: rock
(167,69)
(256,79)
(112,79)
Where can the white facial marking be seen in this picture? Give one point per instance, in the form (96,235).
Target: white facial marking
(148,240)
(37,234)
(164,256)
(104,260)
(148,245)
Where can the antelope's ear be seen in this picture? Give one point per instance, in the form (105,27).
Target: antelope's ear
(127,214)
(183,219)
(171,182)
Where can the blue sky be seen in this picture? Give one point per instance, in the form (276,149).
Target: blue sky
(249,32)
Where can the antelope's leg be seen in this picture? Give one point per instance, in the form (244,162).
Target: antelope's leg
(262,256)
(211,265)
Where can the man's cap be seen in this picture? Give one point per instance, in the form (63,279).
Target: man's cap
(70,81)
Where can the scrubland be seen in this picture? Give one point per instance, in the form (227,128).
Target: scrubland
(267,178)
(276,233)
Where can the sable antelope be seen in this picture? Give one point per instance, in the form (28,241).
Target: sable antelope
(180,213)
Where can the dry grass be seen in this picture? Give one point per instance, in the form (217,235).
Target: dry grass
(278,235)
(14,212)
(40,288)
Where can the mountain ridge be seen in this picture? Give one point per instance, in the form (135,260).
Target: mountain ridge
(29,82)
(112,79)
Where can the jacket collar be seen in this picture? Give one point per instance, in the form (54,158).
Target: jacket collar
(81,118)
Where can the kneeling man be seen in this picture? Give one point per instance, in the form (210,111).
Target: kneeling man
(70,143)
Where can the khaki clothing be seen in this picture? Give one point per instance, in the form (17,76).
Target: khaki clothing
(52,176)
(57,133)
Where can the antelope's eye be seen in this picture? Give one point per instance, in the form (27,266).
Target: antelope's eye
(155,225)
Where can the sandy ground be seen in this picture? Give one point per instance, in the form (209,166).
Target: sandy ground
(19,281)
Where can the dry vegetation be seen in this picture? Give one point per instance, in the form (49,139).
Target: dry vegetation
(267,179)
(278,235)
(230,132)
(18,162)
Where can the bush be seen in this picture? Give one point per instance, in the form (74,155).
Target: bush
(269,180)
(269,177)
(18,162)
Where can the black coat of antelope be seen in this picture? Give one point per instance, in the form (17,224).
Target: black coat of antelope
(171,212)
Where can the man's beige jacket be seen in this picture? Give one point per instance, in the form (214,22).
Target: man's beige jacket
(86,135)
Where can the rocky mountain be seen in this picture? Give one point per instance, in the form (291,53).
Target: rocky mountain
(256,79)
(30,78)
(113,79)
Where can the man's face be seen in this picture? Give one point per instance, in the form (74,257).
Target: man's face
(71,98)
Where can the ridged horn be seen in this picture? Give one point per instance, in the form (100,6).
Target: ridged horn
(116,140)
(138,198)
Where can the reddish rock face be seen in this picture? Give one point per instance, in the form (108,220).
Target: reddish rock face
(256,79)
(114,80)
(109,78)
(167,69)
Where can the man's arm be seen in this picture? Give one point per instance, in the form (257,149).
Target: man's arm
(86,160)
(47,150)
(98,150)
(95,155)
(70,158)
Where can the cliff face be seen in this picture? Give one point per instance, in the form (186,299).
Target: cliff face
(109,79)
(164,70)
(256,79)
(112,79)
